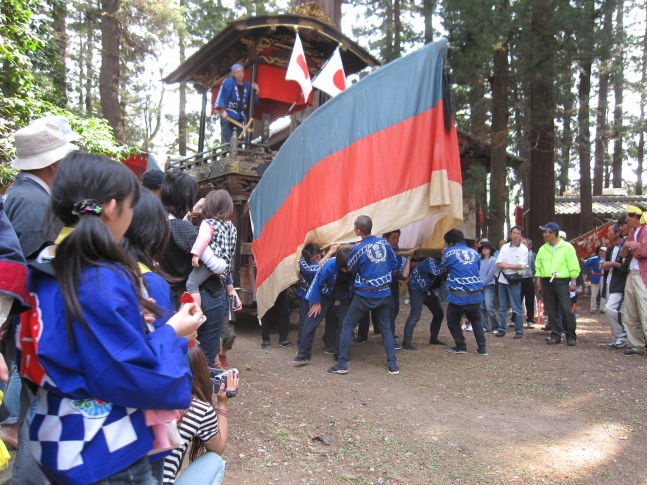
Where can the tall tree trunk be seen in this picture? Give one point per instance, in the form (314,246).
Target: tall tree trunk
(498,190)
(81,67)
(428,7)
(584,145)
(618,88)
(603,93)
(397,29)
(59,12)
(183,120)
(643,125)
(109,74)
(542,118)
(89,71)
(567,145)
(388,52)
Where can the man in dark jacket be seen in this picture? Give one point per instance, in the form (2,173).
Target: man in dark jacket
(615,277)
(39,147)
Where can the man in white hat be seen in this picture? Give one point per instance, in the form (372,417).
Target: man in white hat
(39,147)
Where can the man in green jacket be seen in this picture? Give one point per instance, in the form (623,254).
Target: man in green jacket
(556,270)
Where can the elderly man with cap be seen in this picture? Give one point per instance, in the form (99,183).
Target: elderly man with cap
(234,98)
(556,271)
(636,287)
(152,180)
(39,147)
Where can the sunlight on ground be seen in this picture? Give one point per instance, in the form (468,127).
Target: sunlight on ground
(576,453)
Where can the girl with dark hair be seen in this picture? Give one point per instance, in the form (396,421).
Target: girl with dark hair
(176,260)
(85,348)
(204,427)
(216,233)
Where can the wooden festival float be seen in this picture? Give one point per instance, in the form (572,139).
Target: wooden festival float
(263,45)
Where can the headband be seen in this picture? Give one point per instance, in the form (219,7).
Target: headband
(86,206)
(632,209)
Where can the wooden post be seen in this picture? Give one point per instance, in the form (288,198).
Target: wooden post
(203,122)
(252,96)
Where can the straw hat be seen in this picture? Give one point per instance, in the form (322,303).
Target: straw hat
(39,145)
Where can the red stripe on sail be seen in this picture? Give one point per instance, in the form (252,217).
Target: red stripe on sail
(401,157)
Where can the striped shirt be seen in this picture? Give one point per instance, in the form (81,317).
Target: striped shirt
(201,421)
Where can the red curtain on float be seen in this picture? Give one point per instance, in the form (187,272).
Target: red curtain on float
(276,96)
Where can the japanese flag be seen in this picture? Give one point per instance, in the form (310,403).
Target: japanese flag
(332,79)
(298,68)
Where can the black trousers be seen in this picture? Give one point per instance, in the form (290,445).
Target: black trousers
(557,296)
(473,313)
(528,292)
(279,314)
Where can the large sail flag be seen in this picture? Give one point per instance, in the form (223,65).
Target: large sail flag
(379,148)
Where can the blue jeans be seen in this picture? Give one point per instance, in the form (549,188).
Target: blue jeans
(12,395)
(209,332)
(487,309)
(358,307)
(430,300)
(511,294)
(311,323)
(207,469)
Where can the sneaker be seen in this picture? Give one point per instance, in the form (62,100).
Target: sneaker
(481,351)
(435,341)
(618,343)
(339,368)
(463,327)
(329,351)
(265,345)
(499,333)
(486,330)
(469,329)
(300,361)
(518,335)
(634,352)
(551,341)
(593,312)
(396,337)
(456,350)
(357,340)
(408,346)
(571,341)
(530,324)
(393,369)
(287,344)
(546,328)
(398,346)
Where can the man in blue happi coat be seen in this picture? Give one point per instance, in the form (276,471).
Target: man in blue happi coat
(233,99)
(372,263)
(465,290)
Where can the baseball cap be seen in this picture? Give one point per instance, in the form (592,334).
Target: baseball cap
(603,248)
(551,226)
(152,179)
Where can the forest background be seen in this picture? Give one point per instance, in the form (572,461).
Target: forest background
(559,83)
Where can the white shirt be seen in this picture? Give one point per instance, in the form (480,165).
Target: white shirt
(634,261)
(512,255)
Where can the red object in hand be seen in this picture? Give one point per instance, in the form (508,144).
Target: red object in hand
(186,298)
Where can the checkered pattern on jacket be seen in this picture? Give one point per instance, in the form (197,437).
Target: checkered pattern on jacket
(223,241)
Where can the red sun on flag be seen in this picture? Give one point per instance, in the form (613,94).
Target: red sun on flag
(339,80)
(301,61)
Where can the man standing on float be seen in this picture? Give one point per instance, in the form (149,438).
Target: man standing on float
(233,99)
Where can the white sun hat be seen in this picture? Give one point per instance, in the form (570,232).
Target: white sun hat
(39,145)
(62,123)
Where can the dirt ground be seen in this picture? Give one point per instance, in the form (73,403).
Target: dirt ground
(526,413)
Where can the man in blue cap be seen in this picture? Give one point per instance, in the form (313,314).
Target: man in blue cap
(233,99)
